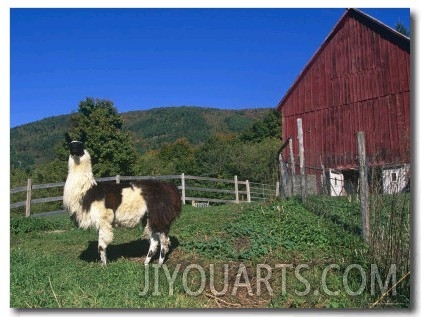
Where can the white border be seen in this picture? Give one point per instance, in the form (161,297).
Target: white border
(5,5)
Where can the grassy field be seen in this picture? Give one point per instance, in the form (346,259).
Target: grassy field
(272,255)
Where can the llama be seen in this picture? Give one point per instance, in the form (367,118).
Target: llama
(107,205)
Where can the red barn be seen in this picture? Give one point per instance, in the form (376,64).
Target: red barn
(358,80)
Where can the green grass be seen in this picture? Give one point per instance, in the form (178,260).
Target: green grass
(56,265)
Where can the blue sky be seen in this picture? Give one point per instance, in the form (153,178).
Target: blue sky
(148,58)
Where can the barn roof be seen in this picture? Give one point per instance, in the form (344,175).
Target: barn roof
(377,26)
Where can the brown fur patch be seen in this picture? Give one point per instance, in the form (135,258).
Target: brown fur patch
(110,193)
(163,203)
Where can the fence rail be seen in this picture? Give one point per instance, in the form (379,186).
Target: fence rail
(224,194)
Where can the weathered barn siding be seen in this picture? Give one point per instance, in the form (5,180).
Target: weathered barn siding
(359,80)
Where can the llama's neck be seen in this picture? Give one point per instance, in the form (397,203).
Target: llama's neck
(79,180)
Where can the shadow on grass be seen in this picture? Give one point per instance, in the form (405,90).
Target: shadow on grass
(134,249)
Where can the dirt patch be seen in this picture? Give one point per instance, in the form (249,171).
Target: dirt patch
(241,244)
(241,291)
(56,231)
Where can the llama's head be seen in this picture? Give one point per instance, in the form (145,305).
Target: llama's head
(76,148)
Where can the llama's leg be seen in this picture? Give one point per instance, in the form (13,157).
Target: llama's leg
(105,234)
(153,245)
(147,231)
(165,244)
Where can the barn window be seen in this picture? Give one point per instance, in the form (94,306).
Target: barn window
(394,177)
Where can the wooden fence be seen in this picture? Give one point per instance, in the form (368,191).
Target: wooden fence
(189,186)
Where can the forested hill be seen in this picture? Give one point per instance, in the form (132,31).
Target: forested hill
(34,143)
(154,127)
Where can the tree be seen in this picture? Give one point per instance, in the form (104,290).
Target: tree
(149,163)
(173,158)
(179,155)
(211,160)
(111,148)
(268,127)
(402,29)
(255,161)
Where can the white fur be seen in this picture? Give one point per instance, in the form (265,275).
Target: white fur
(132,209)
(79,180)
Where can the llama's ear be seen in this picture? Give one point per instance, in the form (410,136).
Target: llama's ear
(67,137)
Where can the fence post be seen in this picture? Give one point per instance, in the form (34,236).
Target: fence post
(292,166)
(117,179)
(324,179)
(363,186)
(182,177)
(236,189)
(28,198)
(248,191)
(301,160)
(283,177)
(277,188)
